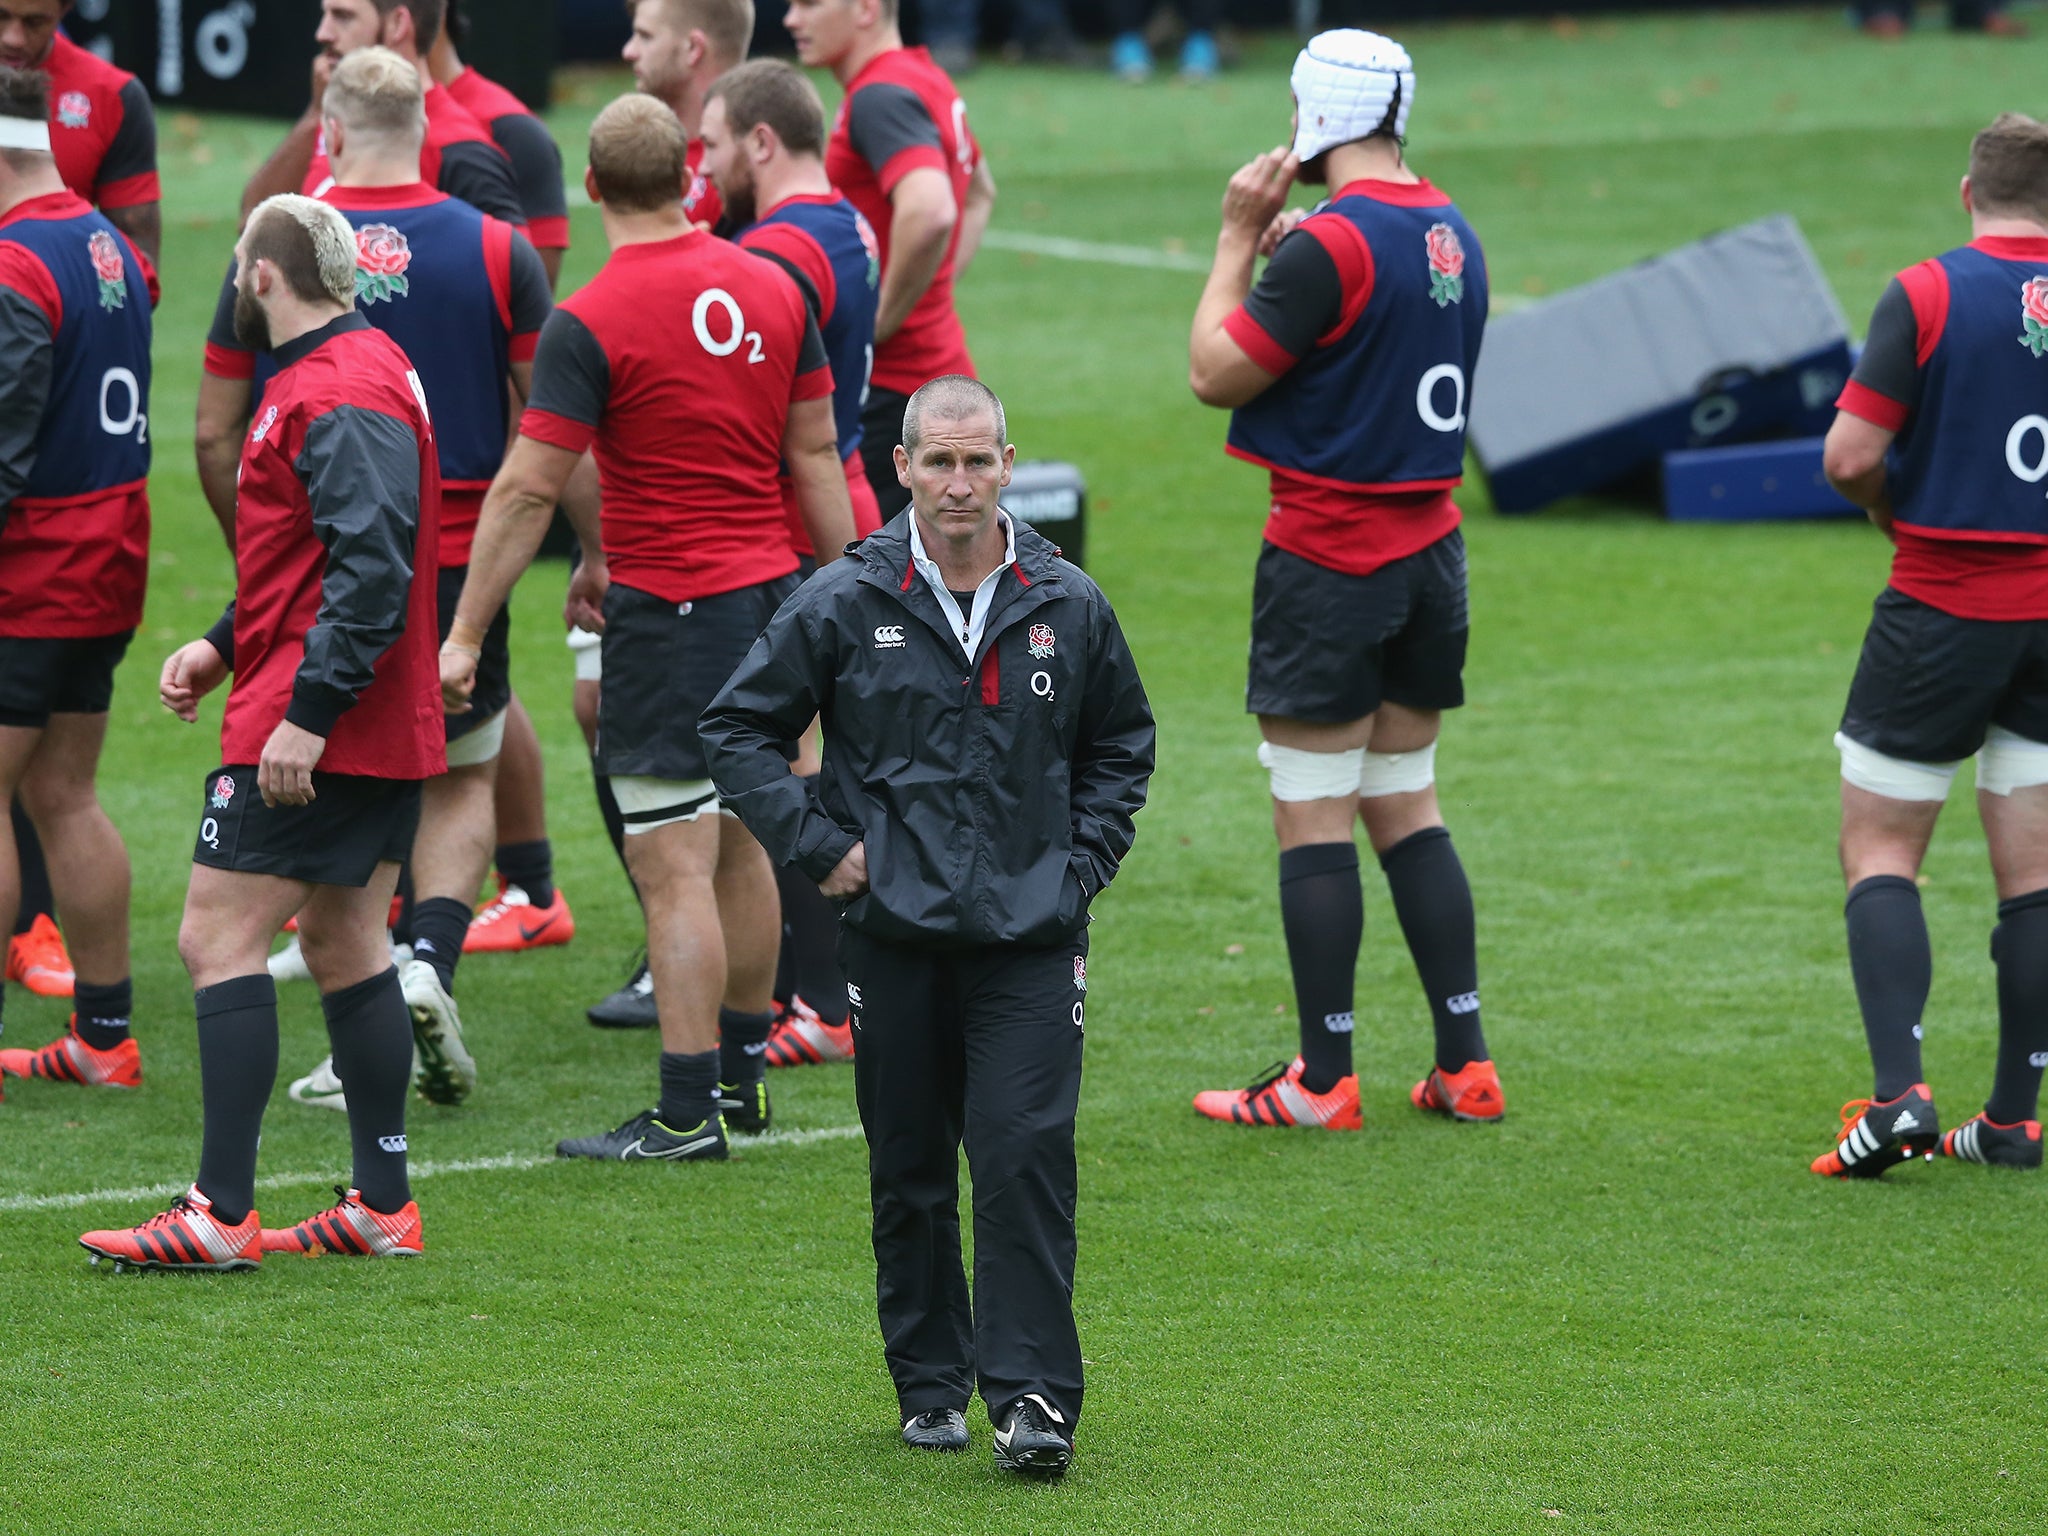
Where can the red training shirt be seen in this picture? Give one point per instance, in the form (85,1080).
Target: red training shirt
(459,157)
(525,142)
(102,128)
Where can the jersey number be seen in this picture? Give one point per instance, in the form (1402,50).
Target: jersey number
(1426,397)
(736,323)
(120,388)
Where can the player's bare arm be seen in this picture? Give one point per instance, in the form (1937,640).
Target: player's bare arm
(1219,371)
(1854,461)
(142,223)
(509,531)
(981,205)
(810,446)
(223,419)
(922,215)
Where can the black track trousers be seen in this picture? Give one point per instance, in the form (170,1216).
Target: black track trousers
(985,1043)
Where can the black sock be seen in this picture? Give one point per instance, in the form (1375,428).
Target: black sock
(439,925)
(1894,967)
(742,1046)
(102,1013)
(370,1029)
(810,938)
(37,899)
(237,1070)
(1434,903)
(1322,910)
(401,931)
(2020,946)
(614,821)
(689,1089)
(531,867)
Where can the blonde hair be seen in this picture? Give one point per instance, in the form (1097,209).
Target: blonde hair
(312,246)
(374,91)
(639,155)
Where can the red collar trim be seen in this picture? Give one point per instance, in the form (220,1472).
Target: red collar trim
(643,249)
(2012,247)
(51,205)
(1398,194)
(418,195)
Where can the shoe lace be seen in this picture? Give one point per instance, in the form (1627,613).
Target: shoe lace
(1853,1111)
(171,1214)
(932,1418)
(1273,1074)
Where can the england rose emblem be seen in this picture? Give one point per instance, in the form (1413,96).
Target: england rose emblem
(74,110)
(111,270)
(1446,266)
(2034,311)
(382,257)
(1040,641)
(223,792)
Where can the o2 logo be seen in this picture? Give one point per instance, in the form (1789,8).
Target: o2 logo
(2016,445)
(1427,392)
(121,392)
(736,326)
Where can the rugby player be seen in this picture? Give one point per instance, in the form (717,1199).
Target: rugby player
(1942,438)
(764,145)
(1347,369)
(692,558)
(529,148)
(465,296)
(459,157)
(902,153)
(103,132)
(332,724)
(75,301)
(677,49)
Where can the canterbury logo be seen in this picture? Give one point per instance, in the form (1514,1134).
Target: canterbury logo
(1464,1002)
(888,635)
(2038,1059)
(1340,1023)
(391,1143)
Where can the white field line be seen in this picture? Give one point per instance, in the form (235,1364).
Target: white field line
(1062,249)
(511,1162)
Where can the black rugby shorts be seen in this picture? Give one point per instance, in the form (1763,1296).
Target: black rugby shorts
(1928,684)
(353,825)
(493,667)
(1329,647)
(40,678)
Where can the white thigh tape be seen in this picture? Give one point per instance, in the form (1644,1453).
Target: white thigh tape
(645,803)
(1299,775)
(480,745)
(1893,777)
(588,647)
(1398,773)
(2009,762)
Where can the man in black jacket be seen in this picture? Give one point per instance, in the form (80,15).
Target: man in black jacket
(987,744)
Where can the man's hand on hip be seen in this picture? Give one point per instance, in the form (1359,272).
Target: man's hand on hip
(285,773)
(850,879)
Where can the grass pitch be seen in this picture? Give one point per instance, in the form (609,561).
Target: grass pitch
(1628,1309)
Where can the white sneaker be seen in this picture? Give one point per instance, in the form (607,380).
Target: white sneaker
(289,963)
(445,1071)
(319,1086)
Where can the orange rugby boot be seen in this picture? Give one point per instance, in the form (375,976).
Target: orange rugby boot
(1471,1093)
(1279,1098)
(351,1227)
(39,961)
(513,922)
(1879,1135)
(799,1038)
(184,1237)
(68,1059)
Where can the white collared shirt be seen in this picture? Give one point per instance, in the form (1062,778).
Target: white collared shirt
(967,628)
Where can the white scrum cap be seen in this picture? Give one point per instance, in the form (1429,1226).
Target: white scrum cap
(1344,83)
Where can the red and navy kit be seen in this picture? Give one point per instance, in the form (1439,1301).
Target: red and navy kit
(825,243)
(464,296)
(1370,314)
(701,201)
(1957,366)
(102,128)
(75,301)
(459,157)
(686,402)
(535,157)
(901,114)
(336,523)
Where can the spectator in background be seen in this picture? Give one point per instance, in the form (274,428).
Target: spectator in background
(1130,56)
(1038,30)
(1892,18)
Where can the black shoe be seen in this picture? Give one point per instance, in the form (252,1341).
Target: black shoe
(745,1108)
(1879,1135)
(1033,1439)
(645,1139)
(631,1007)
(1980,1139)
(937,1429)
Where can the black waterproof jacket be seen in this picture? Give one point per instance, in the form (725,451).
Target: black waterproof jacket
(995,795)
